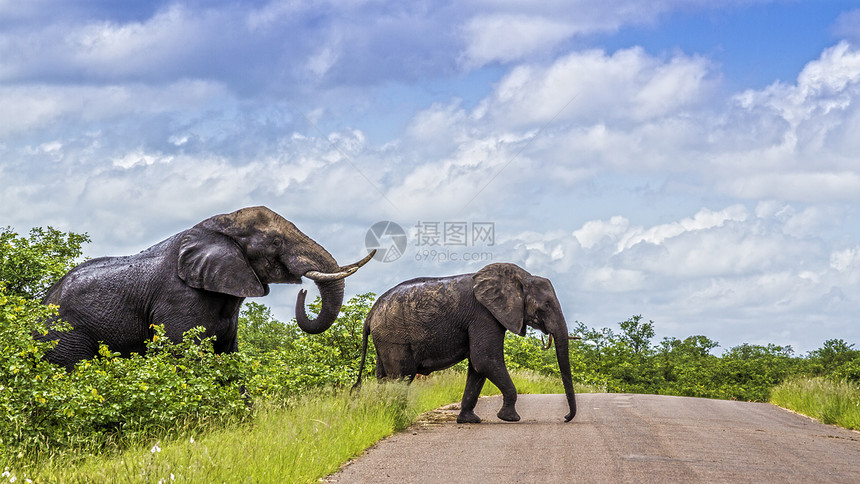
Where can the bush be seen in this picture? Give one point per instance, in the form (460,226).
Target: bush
(286,361)
(29,266)
(27,381)
(529,354)
(47,409)
(112,401)
(306,364)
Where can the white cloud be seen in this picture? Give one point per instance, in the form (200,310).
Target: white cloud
(507,37)
(111,48)
(139,157)
(595,231)
(815,156)
(705,219)
(845,260)
(628,85)
(512,31)
(824,85)
(134,127)
(38,106)
(807,187)
(729,274)
(446,186)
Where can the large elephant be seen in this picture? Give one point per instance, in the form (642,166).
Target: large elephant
(198,277)
(429,324)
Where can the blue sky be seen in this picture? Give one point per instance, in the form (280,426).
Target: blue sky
(694,162)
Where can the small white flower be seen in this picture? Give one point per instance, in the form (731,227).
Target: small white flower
(155,448)
(13,479)
(192,440)
(6,473)
(172,477)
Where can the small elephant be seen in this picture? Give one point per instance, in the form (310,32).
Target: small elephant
(198,277)
(429,324)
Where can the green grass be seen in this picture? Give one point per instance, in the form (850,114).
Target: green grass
(302,442)
(831,402)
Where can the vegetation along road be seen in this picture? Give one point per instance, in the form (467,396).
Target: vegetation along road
(615,438)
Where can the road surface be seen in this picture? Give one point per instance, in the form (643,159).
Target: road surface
(614,438)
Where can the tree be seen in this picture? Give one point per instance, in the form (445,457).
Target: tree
(260,332)
(637,334)
(593,342)
(832,356)
(30,266)
(345,334)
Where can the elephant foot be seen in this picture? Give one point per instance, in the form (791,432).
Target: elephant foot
(508,415)
(468,417)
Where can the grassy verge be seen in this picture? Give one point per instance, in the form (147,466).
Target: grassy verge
(302,442)
(836,403)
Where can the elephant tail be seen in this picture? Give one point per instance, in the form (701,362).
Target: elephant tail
(364,335)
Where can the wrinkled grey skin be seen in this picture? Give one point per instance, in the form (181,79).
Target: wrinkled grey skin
(429,324)
(198,277)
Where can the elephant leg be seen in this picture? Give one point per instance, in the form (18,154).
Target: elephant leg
(73,347)
(488,358)
(502,379)
(397,360)
(474,384)
(380,370)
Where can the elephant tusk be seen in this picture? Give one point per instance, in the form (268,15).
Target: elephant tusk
(361,262)
(549,342)
(343,272)
(318,276)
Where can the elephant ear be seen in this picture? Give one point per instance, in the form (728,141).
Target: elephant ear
(499,288)
(214,262)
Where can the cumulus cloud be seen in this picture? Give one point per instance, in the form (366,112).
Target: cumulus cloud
(631,112)
(134,124)
(627,85)
(717,272)
(816,151)
(510,37)
(513,31)
(32,107)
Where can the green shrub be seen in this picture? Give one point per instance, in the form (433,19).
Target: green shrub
(28,383)
(849,371)
(529,354)
(306,364)
(29,266)
(285,361)
(102,401)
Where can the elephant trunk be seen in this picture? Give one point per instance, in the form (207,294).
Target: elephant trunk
(330,285)
(562,353)
(331,293)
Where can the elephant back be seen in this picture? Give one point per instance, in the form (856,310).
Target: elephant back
(413,310)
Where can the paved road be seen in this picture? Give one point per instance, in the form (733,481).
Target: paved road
(615,438)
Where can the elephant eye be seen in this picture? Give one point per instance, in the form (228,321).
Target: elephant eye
(276,242)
